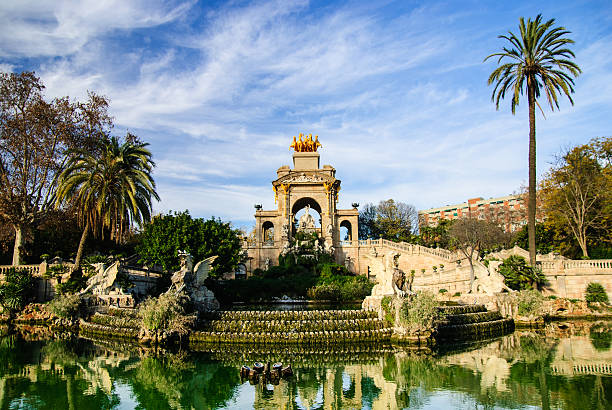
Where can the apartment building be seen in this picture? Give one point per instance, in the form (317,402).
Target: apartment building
(509,210)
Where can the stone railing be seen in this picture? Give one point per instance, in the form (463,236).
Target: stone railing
(32,269)
(404,247)
(418,249)
(586,264)
(548,265)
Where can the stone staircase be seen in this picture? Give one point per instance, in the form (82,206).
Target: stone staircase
(291,327)
(471,322)
(112,323)
(318,328)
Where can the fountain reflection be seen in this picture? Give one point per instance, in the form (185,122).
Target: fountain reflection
(563,365)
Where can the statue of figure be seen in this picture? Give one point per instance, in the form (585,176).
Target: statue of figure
(286,248)
(330,230)
(306,221)
(305,143)
(309,144)
(317,144)
(185,260)
(285,230)
(347,262)
(267,264)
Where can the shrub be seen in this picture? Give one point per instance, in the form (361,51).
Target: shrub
(419,311)
(442,291)
(17,289)
(55,271)
(595,292)
(65,306)
(456,294)
(73,285)
(529,302)
(518,275)
(329,291)
(164,312)
(389,312)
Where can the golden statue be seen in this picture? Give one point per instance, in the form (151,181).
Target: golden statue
(306,144)
(294,144)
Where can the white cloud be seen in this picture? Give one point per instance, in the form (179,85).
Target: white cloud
(389,96)
(59,28)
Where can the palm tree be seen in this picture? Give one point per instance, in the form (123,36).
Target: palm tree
(110,187)
(541,61)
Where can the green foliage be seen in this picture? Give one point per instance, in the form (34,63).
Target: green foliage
(356,288)
(17,289)
(325,281)
(161,240)
(580,183)
(74,284)
(442,291)
(595,292)
(111,187)
(518,275)
(456,294)
(418,312)
(55,271)
(529,302)
(548,239)
(395,221)
(389,311)
(435,236)
(601,336)
(165,312)
(65,306)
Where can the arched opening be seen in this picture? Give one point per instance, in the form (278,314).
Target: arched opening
(268,232)
(303,207)
(346,232)
(241,271)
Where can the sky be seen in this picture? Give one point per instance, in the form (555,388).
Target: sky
(396,91)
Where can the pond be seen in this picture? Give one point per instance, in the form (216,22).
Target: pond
(561,366)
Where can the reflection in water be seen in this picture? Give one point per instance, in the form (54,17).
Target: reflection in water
(564,366)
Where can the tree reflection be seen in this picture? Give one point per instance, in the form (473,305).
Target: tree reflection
(525,368)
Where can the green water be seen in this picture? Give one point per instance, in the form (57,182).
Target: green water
(559,367)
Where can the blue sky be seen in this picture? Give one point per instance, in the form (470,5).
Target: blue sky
(396,91)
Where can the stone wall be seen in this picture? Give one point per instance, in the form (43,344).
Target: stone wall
(567,278)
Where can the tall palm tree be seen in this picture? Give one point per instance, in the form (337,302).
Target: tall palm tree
(111,188)
(541,62)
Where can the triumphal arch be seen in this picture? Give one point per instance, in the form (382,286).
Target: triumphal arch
(309,187)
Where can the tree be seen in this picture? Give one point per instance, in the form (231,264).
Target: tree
(435,236)
(577,193)
(541,63)
(35,136)
(395,221)
(161,240)
(110,187)
(518,275)
(471,236)
(367,222)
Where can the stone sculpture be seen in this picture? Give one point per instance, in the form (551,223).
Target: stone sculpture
(307,222)
(305,145)
(190,280)
(104,285)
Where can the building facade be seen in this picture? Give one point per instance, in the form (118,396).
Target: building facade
(509,211)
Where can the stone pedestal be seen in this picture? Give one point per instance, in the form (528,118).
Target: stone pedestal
(306,160)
